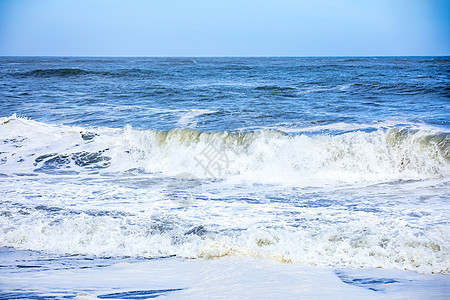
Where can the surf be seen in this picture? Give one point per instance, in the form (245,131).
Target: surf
(266,156)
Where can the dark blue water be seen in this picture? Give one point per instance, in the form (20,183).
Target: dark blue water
(262,92)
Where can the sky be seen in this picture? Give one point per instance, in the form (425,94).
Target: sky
(224,27)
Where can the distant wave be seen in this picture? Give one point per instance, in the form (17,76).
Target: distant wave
(69,72)
(354,59)
(405,89)
(55,72)
(284,91)
(260,156)
(274,88)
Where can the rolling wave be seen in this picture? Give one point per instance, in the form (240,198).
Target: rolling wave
(261,155)
(64,72)
(75,72)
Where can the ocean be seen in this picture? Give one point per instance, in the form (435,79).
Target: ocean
(224,178)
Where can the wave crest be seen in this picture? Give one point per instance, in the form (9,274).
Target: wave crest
(262,156)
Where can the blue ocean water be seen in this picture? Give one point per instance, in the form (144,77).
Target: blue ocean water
(112,166)
(242,93)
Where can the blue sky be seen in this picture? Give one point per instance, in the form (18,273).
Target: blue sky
(224,28)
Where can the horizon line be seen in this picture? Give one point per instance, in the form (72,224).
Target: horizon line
(223,56)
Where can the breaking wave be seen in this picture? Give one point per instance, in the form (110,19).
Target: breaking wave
(267,156)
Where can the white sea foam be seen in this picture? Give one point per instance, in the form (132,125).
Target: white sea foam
(111,214)
(344,87)
(261,156)
(347,127)
(212,279)
(368,242)
(188,117)
(223,279)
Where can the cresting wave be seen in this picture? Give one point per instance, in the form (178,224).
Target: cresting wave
(266,156)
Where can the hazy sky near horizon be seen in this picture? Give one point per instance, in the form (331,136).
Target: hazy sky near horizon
(224,28)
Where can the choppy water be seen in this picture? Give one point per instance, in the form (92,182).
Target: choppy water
(341,163)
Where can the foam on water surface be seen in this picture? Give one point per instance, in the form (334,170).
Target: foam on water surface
(30,277)
(117,192)
(224,177)
(264,156)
